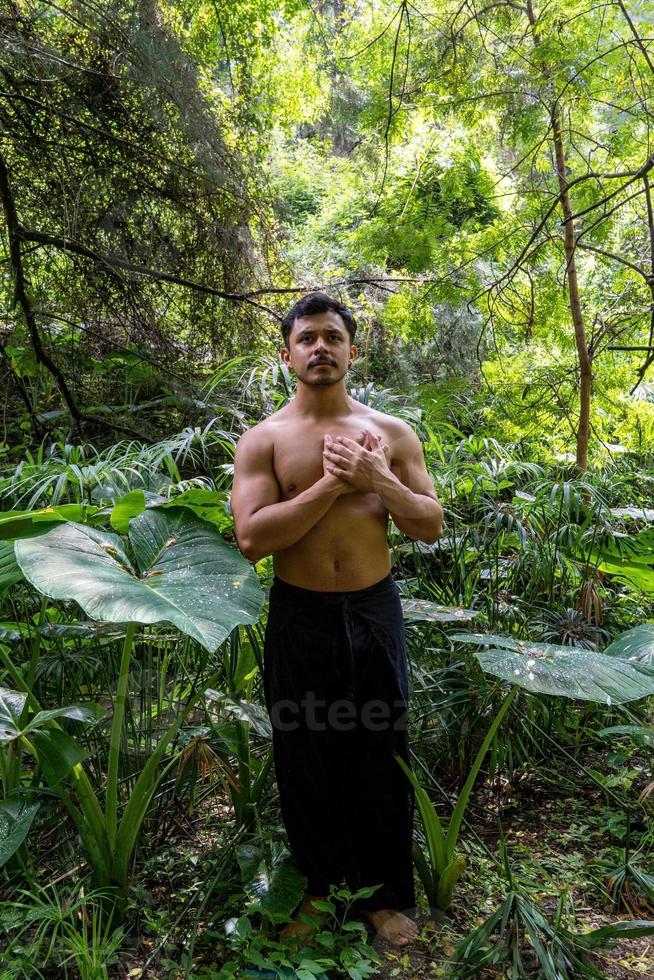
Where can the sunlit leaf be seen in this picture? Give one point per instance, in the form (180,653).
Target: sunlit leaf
(131,505)
(15,523)
(636,645)
(11,708)
(189,575)
(421,610)
(570,673)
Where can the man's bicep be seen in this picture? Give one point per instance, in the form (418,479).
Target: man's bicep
(409,466)
(255,484)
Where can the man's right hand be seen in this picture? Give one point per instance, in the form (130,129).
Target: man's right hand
(342,485)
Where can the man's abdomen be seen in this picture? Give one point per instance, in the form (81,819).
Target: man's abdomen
(347,549)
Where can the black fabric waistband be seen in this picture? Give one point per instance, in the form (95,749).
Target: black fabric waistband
(314,595)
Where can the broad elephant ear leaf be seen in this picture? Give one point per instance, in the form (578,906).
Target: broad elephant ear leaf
(550,668)
(635,645)
(573,673)
(254,714)
(274,886)
(421,610)
(188,575)
(11,709)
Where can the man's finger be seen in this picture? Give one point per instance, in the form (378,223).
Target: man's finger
(343,451)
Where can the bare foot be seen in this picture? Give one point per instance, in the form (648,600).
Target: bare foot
(301,932)
(393,926)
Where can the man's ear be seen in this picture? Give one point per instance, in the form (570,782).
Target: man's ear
(285,356)
(353,353)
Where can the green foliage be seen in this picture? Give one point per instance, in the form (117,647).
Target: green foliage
(338,943)
(49,928)
(427,205)
(180,171)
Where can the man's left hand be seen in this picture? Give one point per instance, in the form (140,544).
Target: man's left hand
(360,466)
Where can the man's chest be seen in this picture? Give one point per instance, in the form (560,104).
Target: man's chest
(297,458)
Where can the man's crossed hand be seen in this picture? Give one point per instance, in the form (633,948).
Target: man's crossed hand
(359,463)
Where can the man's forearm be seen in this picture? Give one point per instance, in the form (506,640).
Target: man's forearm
(416,514)
(281,525)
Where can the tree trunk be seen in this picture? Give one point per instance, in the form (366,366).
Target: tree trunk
(574,299)
(585,360)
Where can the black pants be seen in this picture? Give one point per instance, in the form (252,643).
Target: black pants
(336,690)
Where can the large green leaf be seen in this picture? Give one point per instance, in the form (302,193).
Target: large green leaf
(636,645)
(109,631)
(11,708)
(254,714)
(570,673)
(627,557)
(16,816)
(421,610)
(15,523)
(273,886)
(631,573)
(187,576)
(12,704)
(488,640)
(550,668)
(210,505)
(11,633)
(87,713)
(57,753)
(637,548)
(130,505)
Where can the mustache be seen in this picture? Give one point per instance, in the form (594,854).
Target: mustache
(322,360)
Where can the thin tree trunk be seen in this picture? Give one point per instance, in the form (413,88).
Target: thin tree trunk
(585,360)
(22,299)
(642,371)
(574,296)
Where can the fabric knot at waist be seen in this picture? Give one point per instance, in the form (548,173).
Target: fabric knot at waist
(337,612)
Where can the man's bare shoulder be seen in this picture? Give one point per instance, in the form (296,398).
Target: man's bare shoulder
(257,437)
(261,436)
(392,427)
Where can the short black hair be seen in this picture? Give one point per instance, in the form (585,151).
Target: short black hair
(317,303)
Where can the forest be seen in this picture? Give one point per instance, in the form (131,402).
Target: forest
(473,180)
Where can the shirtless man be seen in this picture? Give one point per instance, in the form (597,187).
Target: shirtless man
(314,485)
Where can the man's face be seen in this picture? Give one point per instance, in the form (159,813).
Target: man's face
(319,349)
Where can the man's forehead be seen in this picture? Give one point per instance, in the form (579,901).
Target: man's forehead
(314,321)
